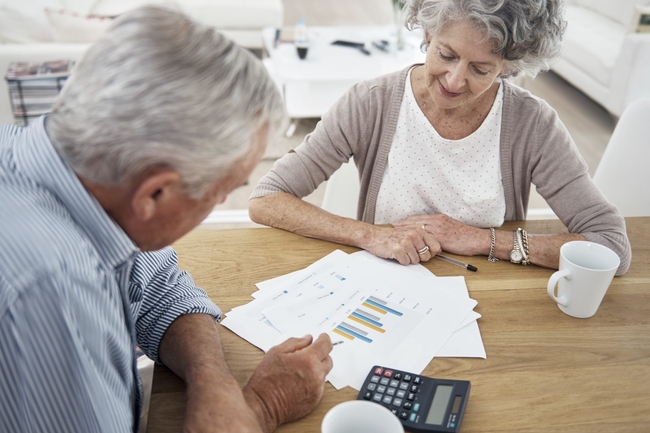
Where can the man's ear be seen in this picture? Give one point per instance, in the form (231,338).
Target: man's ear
(154,191)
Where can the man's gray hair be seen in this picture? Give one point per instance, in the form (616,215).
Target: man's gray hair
(160,90)
(526,33)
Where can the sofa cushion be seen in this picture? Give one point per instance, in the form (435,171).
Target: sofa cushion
(592,42)
(222,14)
(24,21)
(112,8)
(228,14)
(82,7)
(617,10)
(71,27)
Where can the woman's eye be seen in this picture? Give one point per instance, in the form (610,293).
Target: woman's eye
(443,57)
(480,72)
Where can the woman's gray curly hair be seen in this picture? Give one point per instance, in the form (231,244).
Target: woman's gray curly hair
(526,33)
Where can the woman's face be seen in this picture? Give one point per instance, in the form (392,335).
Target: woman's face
(460,66)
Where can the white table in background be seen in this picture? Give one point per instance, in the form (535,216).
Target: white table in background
(311,86)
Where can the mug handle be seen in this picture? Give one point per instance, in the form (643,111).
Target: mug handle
(564,273)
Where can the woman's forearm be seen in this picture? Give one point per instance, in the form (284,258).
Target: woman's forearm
(287,212)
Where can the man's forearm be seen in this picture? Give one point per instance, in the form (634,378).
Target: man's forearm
(191,348)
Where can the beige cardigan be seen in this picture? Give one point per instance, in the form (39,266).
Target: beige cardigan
(535,148)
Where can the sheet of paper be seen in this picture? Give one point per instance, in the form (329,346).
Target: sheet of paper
(383,317)
(248,321)
(268,286)
(385,313)
(394,266)
(466,342)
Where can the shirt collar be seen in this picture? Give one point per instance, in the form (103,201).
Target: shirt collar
(36,157)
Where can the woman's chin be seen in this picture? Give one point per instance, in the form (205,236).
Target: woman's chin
(446,103)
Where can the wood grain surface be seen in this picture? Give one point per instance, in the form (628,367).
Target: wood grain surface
(544,372)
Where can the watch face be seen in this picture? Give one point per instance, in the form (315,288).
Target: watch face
(516,256)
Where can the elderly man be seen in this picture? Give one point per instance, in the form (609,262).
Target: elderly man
(160,121)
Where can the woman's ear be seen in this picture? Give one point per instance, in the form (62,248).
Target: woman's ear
(154,192)
(505,73)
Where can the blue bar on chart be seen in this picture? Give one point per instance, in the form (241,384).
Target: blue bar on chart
(367,315)
(365,318)
(351,332)
(380,306)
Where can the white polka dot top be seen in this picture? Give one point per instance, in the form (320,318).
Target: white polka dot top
(428,174)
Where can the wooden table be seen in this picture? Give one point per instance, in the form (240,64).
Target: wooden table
(544,372)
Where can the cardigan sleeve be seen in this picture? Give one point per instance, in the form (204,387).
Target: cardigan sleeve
(332,143)
(560,176)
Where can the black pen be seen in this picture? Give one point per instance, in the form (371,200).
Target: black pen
(457,262)
(363,50)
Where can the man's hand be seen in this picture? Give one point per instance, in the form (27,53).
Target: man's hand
(453,236)
(402,243)
(290,380)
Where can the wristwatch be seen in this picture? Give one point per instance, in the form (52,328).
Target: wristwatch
(519,253)
(516,255)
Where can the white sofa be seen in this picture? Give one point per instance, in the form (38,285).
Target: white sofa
(30,34)
(602,56)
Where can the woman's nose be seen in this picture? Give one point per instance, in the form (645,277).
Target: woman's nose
(456,78)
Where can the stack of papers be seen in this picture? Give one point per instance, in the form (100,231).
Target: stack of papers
(387,314)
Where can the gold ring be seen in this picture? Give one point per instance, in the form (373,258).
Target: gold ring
(424,227)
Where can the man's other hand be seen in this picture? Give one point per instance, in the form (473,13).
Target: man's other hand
(290,380)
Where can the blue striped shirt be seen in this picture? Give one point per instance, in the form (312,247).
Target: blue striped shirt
(76,295)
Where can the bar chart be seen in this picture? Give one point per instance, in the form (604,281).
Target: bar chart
(367,319)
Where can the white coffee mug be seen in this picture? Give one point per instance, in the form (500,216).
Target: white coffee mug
(586,270)
(360,416)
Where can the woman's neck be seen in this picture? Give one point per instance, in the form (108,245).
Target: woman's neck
(458,122)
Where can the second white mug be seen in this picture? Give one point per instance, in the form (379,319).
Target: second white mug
(586,270)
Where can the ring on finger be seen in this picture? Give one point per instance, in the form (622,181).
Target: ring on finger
(424,227)
(423,250)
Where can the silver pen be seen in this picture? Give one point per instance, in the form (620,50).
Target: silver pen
(457,262)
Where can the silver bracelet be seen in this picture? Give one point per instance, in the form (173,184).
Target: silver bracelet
(524,246)
(493,245)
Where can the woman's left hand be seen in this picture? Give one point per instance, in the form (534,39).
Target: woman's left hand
(453,236)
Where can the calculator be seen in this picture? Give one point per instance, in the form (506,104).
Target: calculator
(423,404)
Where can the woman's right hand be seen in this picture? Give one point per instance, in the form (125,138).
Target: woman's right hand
(402,244)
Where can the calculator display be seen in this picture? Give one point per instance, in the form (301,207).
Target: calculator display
(439,405)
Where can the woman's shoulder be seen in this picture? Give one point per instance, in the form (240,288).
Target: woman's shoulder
(523,108)
(375,95)
(391,79)
(385,85)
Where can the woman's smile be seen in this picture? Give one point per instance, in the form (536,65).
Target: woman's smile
(446,92)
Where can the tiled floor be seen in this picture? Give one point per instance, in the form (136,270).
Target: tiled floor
(589,124)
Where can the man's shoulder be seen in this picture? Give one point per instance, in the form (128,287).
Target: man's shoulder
(38,237)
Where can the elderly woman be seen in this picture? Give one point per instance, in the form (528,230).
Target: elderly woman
(447,150)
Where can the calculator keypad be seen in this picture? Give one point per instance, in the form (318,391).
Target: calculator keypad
(394,390)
